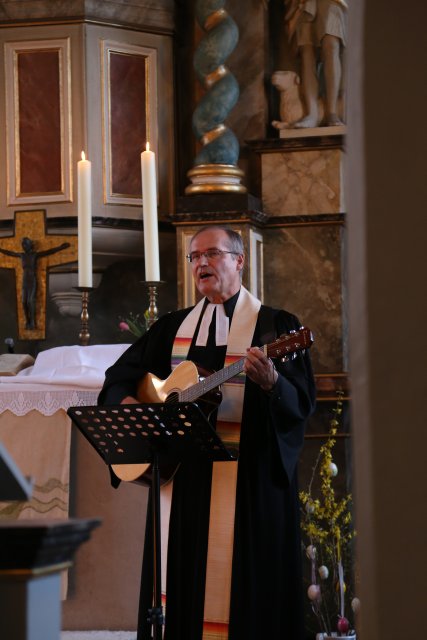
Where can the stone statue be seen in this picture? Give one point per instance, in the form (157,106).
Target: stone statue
(318,29)
(291,109)
(29,259)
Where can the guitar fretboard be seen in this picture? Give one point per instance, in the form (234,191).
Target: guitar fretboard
(212,381)
(286,344)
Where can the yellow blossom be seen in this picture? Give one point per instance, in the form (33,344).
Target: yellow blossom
(326,521)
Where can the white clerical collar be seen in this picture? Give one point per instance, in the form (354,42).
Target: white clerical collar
(221,327)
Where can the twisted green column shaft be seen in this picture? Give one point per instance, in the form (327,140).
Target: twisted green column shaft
(220,145)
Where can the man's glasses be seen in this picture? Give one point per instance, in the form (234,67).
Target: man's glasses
(211,254)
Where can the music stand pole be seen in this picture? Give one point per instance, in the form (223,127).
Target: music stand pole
(156,617)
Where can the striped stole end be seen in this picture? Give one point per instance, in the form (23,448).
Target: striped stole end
(229,432)
(240,377)
(180,350)
(215,631)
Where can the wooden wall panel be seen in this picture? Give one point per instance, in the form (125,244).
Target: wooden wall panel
(129,113)
(39,117)
(38,113)
(128,121)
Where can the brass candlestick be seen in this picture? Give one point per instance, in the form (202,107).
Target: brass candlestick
(84,334)
(151,313)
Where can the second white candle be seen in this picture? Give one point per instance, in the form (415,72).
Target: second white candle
(149,208)
(84,207)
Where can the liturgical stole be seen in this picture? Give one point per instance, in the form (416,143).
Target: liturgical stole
(224,474)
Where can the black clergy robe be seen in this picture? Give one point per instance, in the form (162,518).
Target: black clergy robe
(266,591)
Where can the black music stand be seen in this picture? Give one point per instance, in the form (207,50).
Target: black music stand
(150,433)
(13,485)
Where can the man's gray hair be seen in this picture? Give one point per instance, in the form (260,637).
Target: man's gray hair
(235,242)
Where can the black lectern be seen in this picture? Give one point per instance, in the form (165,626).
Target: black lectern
(159,433)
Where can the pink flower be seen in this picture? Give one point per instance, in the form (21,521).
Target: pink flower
(123,326)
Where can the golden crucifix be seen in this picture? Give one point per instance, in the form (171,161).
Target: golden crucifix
(31,252)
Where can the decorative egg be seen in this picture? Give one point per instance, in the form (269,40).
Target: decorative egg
(313,592)
(343,625)
(333,469)
(311,552)
(337,586)
(355,604)
(309,507)
(323,572)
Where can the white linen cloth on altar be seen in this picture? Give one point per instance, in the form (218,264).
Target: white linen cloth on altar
(35,428)
(61,377)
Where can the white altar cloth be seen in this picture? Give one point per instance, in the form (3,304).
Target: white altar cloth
(61,377)
(70,366)
(35,428)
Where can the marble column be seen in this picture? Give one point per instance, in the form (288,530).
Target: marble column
(215,167)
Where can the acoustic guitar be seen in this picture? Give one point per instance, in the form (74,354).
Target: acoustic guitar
(188,383)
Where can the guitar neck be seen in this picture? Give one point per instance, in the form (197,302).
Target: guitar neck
(285,345)
(211,382)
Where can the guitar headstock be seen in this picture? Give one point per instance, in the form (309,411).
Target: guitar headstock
(289,343)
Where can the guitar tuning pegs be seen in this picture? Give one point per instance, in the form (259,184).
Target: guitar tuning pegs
(290,356)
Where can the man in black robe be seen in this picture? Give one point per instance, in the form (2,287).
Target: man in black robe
(266,599)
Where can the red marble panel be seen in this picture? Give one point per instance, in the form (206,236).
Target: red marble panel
(128,121)
(39,122)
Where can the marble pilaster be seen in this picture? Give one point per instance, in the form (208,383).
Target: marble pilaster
(301,176)
(302,182)
(303,273)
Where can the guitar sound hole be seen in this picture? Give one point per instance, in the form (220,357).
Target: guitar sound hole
(173,397)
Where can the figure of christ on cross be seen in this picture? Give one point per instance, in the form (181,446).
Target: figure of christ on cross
(29,253)
(29,259)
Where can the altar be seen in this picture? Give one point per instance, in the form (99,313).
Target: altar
(35,428)
(70,479)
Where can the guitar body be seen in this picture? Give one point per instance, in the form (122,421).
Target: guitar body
(152,389)
(206,389)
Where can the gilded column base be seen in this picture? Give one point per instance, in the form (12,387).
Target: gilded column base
(215,178)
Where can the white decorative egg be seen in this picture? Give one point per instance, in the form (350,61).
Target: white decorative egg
(309,507)
(333,469)
(311,552)
(323,572)
(355,604)
(313,592)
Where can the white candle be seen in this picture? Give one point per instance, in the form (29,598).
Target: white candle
(149,208)
(84,205)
